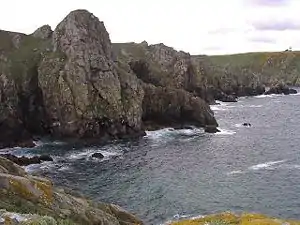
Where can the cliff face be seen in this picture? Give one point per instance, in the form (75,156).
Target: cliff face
(249,73)
(34,200)
(70,82)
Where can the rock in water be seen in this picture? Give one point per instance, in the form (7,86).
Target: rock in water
(46,158)
(247,124)
(280,89)
(98,155)
(25,161)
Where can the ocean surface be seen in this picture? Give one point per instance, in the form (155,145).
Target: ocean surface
(170,174)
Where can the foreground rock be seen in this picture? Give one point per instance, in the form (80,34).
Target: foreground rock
(25,161)
(36,199)
(233,219)
(280,89)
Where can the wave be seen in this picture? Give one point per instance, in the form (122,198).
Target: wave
(265,165)
(87,154)
(171,132)
(269,96)
(217,108)
(42,166)
(235,172)
(225,132)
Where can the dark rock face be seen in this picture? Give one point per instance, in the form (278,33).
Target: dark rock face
(280,89)
(13,132)
(98,155)
(169,107)
(25,161)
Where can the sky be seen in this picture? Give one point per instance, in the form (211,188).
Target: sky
(195,26)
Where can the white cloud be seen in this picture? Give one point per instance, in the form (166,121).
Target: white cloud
(196,26)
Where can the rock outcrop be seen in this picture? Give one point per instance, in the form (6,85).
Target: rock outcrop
(25,161)
(36,199)
(44,32)
(280,89)
(82,91)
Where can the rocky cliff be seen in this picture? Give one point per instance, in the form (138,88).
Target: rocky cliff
(70,83)
(26,199)
(73,82)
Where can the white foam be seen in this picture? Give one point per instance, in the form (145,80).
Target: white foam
(265,165)
(86,154)
(238,125)
(158,133)
(171,132)
(225,132)
(235,172)
(218,108)
(269,96)
(64,168)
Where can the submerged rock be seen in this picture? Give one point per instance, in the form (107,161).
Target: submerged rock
(98,155)
(247,124)
(37,201)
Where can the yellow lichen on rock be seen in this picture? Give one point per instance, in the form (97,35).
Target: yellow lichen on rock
(232,219)
(47,192)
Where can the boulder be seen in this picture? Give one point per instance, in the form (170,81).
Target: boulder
(98,155)
(25,161)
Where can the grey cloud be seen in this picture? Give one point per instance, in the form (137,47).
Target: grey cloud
(276,25)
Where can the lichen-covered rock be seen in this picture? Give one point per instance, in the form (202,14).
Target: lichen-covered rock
(23,194)
(44,32)
(84,93)
(234,219)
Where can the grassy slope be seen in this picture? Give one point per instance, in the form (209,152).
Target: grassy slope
(270,66)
